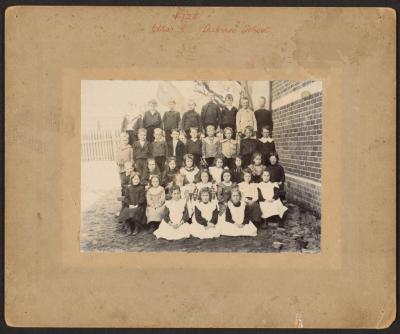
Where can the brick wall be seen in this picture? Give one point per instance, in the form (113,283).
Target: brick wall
(283,87)
(298,137)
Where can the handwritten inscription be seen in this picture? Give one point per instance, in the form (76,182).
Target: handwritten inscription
(183,17)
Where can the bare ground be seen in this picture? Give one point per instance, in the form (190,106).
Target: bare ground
(100,232)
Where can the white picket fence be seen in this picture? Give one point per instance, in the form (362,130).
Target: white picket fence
(99,144)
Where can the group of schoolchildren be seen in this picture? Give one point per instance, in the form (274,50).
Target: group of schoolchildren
(202,175)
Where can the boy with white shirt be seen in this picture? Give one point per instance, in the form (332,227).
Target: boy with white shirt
(245,117)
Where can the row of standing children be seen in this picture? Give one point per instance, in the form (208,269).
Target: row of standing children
(214,199)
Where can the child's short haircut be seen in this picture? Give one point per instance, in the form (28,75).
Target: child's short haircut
(236,156)
(188,157)
(210,126)
(256,154)
(142,130)
(192,101)
(229,97)
(263,97)
(193,129)
(266,127)
(128,164)
(175,130)
(236,191)
(244,98)
(157,130)
(153,101)
(150,159)
(169,159)
(228,129)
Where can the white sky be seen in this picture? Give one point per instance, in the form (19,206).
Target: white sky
(108,101)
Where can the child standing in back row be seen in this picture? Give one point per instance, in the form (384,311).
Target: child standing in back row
(151,120)
(171,120)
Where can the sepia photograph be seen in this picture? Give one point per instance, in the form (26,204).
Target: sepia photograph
(201,166)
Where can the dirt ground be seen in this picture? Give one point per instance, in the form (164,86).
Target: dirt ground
(100,232)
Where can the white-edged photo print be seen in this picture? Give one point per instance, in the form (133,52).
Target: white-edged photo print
(201,166)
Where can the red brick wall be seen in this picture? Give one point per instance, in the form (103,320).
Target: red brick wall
(283,87)
(298,138)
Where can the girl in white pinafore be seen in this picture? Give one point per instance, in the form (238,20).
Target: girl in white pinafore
(174,226)
(236,219)
(205,217)
(270,203)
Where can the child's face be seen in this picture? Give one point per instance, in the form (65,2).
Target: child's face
(182,137)
(228,102)
(189,163)
(265,176)
(191,105)
(261,103)
(257,160)
(235,197)
(171,105)
(248,133)
(175,135)
(227,177)
(211,97)
(151,164)
(247,177)
(172,164)
(158,135)
(176,194)
(272,159)
(135,180)
(193,133)
(205,197)
(152,106)
(210,131)
(265,133)
(142,136)
(238,162)
(155,182)
(228,134)
(128,169)
(204,177)
(219,163)
(245,104)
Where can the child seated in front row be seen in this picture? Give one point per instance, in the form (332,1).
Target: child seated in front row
(249,191)
(159,149)
(174,226)
(248,146)
(224,190)
(256,167)
(205,217)
(236,221)
(270,204)
(155,198)
(133,214)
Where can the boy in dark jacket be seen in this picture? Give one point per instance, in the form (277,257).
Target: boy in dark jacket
(141,151)
(190,119)
(151,120)
(210,113)
(175,148)
(228,115)
(248,146)
(171,120)
(263,117)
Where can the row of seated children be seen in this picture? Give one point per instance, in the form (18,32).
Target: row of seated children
(203,150)
(145,199)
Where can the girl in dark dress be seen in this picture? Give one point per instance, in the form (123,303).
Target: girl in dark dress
(277,174)
(266,145)
(248,146)
(133,214)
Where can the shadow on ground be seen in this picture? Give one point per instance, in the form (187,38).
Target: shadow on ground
(100,232)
